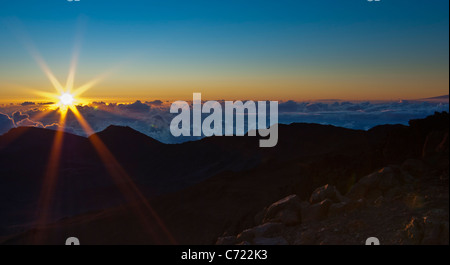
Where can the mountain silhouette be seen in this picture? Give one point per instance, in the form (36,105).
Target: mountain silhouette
(442,99)
(200,189)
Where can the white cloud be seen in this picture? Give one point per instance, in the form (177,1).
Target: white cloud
(153,118)
(6,123)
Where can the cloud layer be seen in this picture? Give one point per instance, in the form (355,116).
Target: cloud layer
(153,118)
(358,115)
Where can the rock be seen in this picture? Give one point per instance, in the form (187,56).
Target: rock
(357,191)
(435,143)
(361,188)
(408,178)
(353,205)
(326,192)
(429,230)
(270,241)
(246,235)
(244,243)
(345,207)
(379,201)
(259,217)
(433,234)
(308,237)
(389,178)
(286,211)
(371,180)
(337,209)
(357,225)
(414,167)
(436,230)
(376,184)
(304,204)
(265,230)
(268,229)
(316,212)
(443,146)
(227,240)
(414,231)
(394,193)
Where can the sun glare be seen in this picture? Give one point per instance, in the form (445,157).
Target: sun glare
(66,99)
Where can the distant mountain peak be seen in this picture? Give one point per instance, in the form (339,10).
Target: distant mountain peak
(36,131)
(118,127)
(115,132)
(441,99)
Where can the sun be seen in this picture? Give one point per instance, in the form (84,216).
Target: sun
(66,99)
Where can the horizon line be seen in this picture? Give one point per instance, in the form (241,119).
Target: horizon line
(43,102)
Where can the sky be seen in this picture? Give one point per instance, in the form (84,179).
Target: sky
(271,50)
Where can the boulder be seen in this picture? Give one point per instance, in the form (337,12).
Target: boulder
(435,143)
(414,167)
(286,211)
(414,231)
(345,207)
(326,192)
(265,230)
(316,212)
(390,177)
(364,185)
(377,184)
(259,217)
(426,231)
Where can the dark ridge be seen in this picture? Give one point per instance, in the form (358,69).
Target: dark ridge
(125,133)
(202,188)
(440,97)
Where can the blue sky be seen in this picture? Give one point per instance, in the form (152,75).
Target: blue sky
(300,49)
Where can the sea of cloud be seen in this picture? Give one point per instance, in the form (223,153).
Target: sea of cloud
(153,118)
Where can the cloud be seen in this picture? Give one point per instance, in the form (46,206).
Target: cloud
(18,116)
(29,123)
(288,106)
(154,120)
(357,115)
(6,123)
(57,127)
(137,106)
(28,103)
(154,102)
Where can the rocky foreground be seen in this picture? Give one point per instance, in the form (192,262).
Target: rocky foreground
(406,203)
(399,204)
